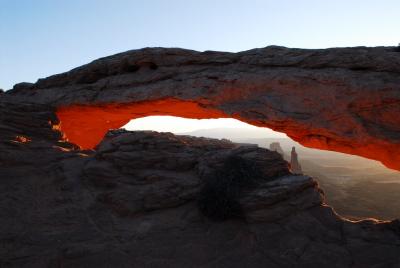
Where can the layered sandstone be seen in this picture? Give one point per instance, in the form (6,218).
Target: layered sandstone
(340,99)
(145,199)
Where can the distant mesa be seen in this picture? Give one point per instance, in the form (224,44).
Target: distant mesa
(295,166)
(276,146)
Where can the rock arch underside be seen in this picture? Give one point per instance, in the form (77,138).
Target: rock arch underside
(135,198)
(345,99)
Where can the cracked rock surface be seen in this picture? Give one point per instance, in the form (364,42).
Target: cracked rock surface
(134,202)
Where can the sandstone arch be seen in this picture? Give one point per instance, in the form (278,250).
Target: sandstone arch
(341,99)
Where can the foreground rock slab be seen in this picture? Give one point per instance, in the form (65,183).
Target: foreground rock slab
(148,199)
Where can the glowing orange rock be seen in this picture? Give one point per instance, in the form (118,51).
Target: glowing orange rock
(22,139)
(339,99)
(86,125)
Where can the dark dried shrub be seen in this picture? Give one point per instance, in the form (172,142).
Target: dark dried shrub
(218,199)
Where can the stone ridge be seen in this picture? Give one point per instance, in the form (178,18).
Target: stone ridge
(339,99)
(380,59)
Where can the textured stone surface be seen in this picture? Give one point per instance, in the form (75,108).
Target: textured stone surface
(341,99)
(134,203)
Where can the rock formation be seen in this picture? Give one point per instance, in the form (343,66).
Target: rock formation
(276,147)
(295,166)
(134,201)
(147,199)
(340,99)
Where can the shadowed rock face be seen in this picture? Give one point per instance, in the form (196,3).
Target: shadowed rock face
(134,202)
(137,200)
(340,99)
(150,170)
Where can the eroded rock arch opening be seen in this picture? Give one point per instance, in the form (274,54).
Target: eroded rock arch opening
(356,187)
(321,98)
(86,126)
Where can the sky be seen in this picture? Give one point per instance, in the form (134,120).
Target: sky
(39,38)
(184,125)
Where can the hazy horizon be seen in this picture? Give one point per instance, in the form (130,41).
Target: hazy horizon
(238,131)
(179,125)
(356,187)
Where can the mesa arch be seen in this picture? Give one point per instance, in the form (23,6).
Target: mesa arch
(340,99)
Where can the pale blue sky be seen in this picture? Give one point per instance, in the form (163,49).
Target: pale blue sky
(43,37)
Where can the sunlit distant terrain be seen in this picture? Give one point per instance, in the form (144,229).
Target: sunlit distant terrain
(228,128)
(356,187)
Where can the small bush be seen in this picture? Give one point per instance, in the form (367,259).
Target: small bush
(218,198)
